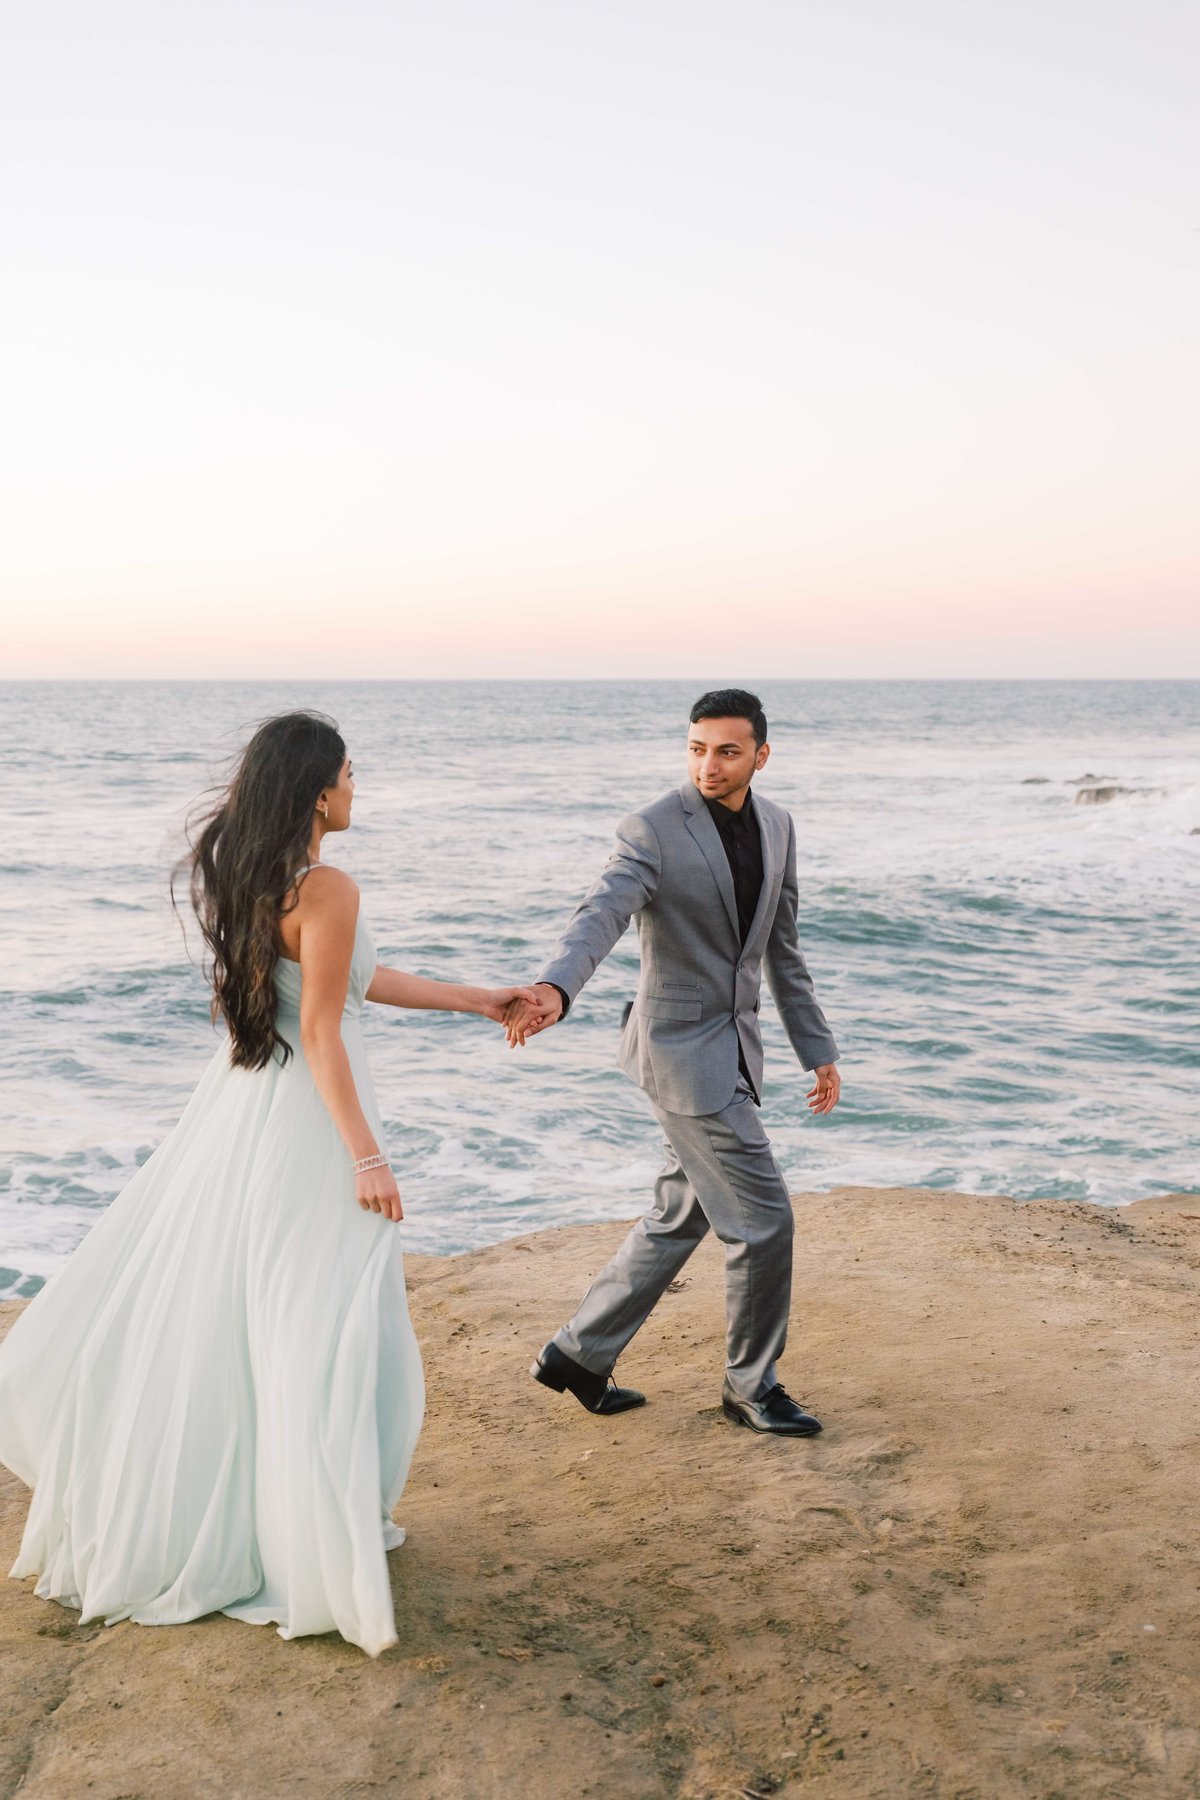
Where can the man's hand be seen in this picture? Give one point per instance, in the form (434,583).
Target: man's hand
(525,1018)
(825,1095)
(500,1002)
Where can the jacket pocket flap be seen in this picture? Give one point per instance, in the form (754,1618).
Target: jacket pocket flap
(652,1007)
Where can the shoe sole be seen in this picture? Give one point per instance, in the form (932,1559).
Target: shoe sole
(601,1411)
(547,1380)
(542,1374)
(737,1418)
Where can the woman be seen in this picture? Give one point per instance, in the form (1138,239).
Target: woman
(217,1399)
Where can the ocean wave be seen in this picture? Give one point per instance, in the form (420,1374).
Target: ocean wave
(994,959)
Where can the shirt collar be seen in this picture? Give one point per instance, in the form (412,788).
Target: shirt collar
(725,819)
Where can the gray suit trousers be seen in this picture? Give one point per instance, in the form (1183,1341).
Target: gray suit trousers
(720,1171)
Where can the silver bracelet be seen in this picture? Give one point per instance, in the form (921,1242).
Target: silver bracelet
(371,1162)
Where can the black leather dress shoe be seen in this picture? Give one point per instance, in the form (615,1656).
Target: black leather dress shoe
(599,1393)
(774,1411)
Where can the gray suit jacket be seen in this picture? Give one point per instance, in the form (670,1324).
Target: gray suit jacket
(698,995)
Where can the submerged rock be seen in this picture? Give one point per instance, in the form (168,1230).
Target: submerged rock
(1036,781)
(1094,796)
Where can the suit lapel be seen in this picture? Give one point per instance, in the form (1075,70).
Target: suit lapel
(772,861)
(700,824)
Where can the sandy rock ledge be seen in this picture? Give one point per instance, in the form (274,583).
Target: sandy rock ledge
(982,1581)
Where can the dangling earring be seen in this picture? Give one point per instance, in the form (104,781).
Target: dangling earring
(324,809)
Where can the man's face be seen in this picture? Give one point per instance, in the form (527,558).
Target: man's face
(722,757)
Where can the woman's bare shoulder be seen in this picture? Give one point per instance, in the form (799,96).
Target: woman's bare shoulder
(324,889)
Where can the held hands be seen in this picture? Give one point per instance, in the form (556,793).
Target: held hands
(527,1016)
(828,1090)
(500,1003)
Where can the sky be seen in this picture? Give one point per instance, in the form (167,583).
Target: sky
(588,339)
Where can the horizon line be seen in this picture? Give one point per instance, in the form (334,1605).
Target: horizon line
(579,680)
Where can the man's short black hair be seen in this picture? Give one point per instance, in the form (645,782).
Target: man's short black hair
(732,703)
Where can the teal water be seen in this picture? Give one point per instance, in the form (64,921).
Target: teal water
(1012,974)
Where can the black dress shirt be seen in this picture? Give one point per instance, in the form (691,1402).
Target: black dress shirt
(742,843)
(741,840)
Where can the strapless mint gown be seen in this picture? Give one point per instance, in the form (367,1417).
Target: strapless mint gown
(217,1398)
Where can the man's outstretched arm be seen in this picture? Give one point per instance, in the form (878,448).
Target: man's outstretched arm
(628,883)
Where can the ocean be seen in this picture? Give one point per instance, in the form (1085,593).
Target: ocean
(999,897)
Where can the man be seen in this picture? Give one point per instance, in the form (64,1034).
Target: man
(709,873)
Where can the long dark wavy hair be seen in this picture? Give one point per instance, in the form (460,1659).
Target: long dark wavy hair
(244,855)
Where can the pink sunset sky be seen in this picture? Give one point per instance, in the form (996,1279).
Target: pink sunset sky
(580,339)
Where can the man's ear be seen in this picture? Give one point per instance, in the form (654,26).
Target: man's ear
(760,761)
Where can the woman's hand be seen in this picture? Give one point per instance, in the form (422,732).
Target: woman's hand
(376,1191)
(498,1001)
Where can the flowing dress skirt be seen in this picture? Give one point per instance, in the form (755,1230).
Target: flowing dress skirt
(217,1399)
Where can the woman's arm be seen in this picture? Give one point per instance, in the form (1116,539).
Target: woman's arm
(393,987)
(326,915)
